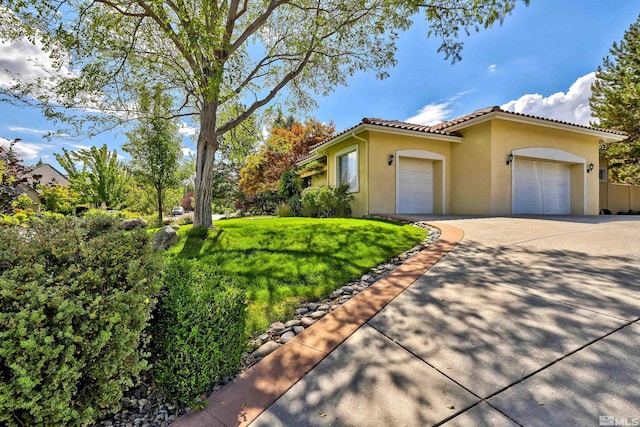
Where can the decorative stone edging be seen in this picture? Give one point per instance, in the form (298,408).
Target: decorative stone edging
(145,405)
(307,314)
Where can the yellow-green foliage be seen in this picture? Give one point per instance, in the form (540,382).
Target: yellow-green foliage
(22,202)
(59,199)
(75,297)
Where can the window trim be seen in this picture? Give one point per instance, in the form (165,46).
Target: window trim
(606,174)
(341,153)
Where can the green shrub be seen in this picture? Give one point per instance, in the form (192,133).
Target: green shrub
(75,298)
(284,211)
(22,202)
(199,335)
(185,218)
(326,202)
(290,190)
(8,220)
(59,198)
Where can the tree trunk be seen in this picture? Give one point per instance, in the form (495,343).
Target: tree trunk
(159,190)
(207,147)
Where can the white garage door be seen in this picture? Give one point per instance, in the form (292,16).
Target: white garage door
(541,188)
(415,186)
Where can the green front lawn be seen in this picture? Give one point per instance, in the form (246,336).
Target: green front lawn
(284,261)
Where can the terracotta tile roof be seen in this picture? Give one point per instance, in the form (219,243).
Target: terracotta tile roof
(441,128)
(407,126)
(478,113)
(307,156)
(395,124)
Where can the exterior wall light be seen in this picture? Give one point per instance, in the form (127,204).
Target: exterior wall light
(590,167)
(390,159)
(509,159)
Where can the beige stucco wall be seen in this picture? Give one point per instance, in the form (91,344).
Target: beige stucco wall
(319,179)
(507,136)
(476,177)
(359,205)
(382,180)
(471,172)
(619,197)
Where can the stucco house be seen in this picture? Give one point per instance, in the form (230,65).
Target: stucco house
(489,162)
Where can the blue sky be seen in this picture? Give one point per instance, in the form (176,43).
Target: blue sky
(540,61)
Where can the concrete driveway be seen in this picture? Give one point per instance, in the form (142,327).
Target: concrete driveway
(528,321)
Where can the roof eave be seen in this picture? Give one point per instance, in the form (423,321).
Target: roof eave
(604,135)
(309,159)
(419,134)
(362,127)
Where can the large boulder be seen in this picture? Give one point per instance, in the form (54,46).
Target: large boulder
(165,238)
(130,224)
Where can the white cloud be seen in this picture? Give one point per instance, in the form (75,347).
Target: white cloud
(492,68)
(431,114)
(26,151)
(187,130)
(186,151)
(436,112)
(81,146)
(572,106)
(30,131)
(28,61)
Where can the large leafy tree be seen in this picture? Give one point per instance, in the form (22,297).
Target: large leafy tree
(283,148)
(615,102)
(101,179)
(155,146)
(218,54)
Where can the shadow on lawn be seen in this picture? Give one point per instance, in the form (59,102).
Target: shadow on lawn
(279,267)
(196,237)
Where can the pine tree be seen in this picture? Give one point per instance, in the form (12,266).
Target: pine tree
(615,102)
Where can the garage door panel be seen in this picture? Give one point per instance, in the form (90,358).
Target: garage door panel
(541,188)
(415,185)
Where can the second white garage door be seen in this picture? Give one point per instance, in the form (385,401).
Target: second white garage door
(541,188)
(415,186)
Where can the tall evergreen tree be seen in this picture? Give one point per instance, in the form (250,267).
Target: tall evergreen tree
(615,102)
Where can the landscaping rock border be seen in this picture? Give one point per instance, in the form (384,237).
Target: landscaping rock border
(145,405)
(307,314)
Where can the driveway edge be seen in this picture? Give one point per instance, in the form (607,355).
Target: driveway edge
(242,401)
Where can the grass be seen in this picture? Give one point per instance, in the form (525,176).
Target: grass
(281,262)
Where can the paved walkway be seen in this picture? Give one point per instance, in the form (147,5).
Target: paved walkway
(526,322)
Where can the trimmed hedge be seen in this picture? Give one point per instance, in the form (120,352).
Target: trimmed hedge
(199,334)
(75,298)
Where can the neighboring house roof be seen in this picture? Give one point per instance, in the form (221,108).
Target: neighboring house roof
(45,174)
(448,130)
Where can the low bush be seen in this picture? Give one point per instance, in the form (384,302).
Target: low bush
(185,218)
(75,298)
(198,337)
(326,202)
(284,211)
